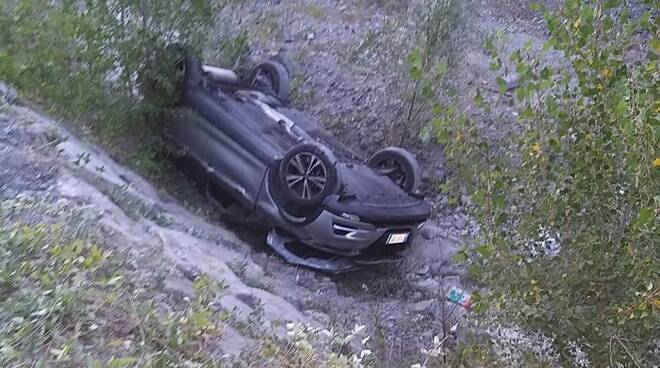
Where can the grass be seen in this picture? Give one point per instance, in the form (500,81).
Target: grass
(300,94)
(369,41)
(69,299)
(134,207)
(240,268)
(268,27)
(314,10)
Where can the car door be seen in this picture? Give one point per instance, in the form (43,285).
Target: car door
(236,154)
(189,134)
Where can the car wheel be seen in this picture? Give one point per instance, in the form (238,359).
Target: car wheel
(399,165)
(273,76)
(305,177)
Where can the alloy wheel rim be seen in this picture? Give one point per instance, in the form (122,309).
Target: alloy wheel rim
(306,175)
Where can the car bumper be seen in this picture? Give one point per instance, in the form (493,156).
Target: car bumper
(350,236)
(335,243)
(294,252)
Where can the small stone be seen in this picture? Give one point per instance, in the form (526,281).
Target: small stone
(460,222)
(320,317)
(310,36)
(423,306)
(421,269)
(190,273)
(428,285)
(425,233)
(512,82)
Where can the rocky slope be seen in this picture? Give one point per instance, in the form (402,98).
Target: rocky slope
(41,160)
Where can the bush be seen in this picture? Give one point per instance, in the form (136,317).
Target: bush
(66,300)
(91,60)
(438,51)
(571,208)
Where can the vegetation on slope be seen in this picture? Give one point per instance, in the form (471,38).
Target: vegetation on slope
(67,299)
(568,199)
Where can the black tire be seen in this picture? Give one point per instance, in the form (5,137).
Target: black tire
(399,165)
(278,81)
(305,177)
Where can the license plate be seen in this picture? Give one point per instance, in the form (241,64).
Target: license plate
(397,238)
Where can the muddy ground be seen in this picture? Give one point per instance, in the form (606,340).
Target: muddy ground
(350,82)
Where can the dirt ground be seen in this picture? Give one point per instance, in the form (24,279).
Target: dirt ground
(349,58)
(345,80)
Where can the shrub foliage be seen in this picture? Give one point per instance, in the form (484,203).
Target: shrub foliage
(92,59)
(569,210)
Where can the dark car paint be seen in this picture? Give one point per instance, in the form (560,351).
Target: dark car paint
(237,144)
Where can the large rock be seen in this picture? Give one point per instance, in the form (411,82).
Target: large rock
(435,245)
(428,286)
(425,306)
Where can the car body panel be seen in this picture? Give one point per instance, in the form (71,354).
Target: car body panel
(238,135)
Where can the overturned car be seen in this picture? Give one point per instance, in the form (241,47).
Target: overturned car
(325,208)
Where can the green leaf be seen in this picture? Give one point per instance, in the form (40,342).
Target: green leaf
(645,21)
(478,198)
(123,362)
(609,4)
(415,58)
(550,44)
(621,108)
(427,90)
(501,218)
(461,257)
(645,216)
(489,46)
(501,83)
(479,98)
(442,136)
(587,13)
(499,201)
(438,123)
(441,69)
(483,250)
(425,133)
(515,57)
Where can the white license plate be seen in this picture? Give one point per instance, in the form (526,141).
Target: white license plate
(397,238)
